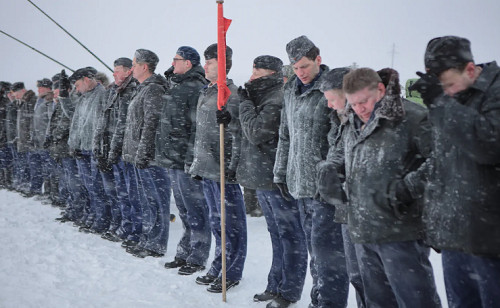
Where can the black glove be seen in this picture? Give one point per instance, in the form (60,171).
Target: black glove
(47,142)
(230,175)
(64,85)
(223,117)
(103,165)
(168,73)
(76,153)
(399,197)
(142,164)
(196,177)
(428,86)
(284,191)
(329,187)
(243,94)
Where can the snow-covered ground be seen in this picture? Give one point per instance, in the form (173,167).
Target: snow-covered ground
(44,263)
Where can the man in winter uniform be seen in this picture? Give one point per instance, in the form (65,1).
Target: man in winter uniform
(329,188)
(260,110)
(206,166)
(84,117)
(107,147)
(25,104)
(40,163)
(153,184)
(174,151)
(384,143)
(461,212)
(11,135)
(303,143)
(5,154)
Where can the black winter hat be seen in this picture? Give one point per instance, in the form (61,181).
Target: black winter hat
(189,53)
(125,62)
(44,83)
(56,77)
(16,86)
(211,53)
(146,56)
(5,86)
(88,71)
(268,62)
(334,79)
(298,48)
(447,52)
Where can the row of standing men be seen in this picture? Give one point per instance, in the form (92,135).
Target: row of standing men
(344,182)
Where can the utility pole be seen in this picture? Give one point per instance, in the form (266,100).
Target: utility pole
(393,53)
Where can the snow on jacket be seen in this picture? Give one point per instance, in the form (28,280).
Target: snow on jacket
(110,128)
(206,162)
(87,108)
(462,210)
(393,145)
(24,121)
(142,120)
(11,122)
(177,128)
(303,142)
(4,102)
(58,130)
(260,120)
(43,108)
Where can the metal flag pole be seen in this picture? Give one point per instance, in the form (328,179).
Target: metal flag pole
(222,96)
(71,36)
(36,50)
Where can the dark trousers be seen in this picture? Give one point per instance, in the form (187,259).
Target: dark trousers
(108,181)
(353,267)
(98,216)
(236,228)
(78,196)
(289,265)
(37,160)
(154,192)
(23,171)
(326,249)
(194,246)
(132,217)
(122,199)
(471,281)
(5,166)
(397,274)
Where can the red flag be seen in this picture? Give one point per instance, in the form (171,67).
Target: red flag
(222,26)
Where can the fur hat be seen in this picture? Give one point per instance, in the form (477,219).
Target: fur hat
(44,83)
(83,72)
(334,79)
(211,53)
(268,62)
(298,48)
(16,86)
(447,52)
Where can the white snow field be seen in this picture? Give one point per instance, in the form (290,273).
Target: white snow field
(44,263)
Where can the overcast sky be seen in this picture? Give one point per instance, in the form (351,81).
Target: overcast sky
(345,31)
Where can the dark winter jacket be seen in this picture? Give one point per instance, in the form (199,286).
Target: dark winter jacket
(24,121)
(462,210)
(11,122)
(4,102)
(41,114)
(206,162)
(176,131)
(305,123)
(142,120)
(86,109)
(391,147)
(110,128)
(260,120)
(58,131)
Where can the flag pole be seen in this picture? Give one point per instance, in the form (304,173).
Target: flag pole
(222,96)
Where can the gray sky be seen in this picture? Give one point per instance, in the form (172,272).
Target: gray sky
(345,31)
